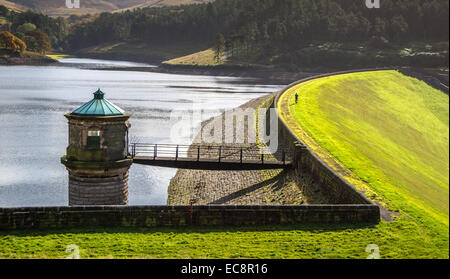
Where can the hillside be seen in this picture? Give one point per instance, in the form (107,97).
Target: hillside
(13,6)
(288,33)
(58,8)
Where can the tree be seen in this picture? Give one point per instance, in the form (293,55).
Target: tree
(219,47)
(26,27)
(4,11)
(281,32)
(399,27)
(380,27)
(11,42)
(42,41)
(31,43)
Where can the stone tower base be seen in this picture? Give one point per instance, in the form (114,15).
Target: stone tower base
(98,190)
(92,183)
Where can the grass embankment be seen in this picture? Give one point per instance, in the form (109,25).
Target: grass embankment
(205,59)
(140,52)
(400,239)
(201,58)
(391,132)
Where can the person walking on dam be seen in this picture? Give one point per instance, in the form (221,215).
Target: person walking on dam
(296,97)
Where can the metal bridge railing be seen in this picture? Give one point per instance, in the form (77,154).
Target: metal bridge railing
(210,152)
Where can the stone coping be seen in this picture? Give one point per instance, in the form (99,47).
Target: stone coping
(184,207)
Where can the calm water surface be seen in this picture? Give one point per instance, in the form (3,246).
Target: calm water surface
(34,131)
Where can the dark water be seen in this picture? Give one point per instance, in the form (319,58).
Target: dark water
(33,130)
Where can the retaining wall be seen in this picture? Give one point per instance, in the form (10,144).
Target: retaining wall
(179,216)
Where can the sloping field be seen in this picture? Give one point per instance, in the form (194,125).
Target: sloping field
(202,58)
(391,131)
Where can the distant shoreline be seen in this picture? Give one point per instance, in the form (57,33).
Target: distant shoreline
(27,61)
(277,77)
(272,76)
(429,75)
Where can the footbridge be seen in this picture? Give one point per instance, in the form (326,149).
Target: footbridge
(209,157)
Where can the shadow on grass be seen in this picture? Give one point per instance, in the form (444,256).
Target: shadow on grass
(317,228)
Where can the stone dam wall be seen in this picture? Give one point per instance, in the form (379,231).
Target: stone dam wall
(181,216)
(238,187)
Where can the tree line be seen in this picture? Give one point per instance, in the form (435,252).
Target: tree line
(38,32)
(272,23)
(249,28)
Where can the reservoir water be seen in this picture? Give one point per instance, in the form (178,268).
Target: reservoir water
(34,131)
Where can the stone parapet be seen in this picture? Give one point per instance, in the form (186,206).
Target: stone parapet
(170,216)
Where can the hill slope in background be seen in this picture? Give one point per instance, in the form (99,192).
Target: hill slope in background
(58,7)
(13,6)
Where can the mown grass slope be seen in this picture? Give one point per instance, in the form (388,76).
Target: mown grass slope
(391,131)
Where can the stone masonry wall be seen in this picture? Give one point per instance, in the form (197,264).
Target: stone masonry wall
(168,216)
(98,191)
(260,187)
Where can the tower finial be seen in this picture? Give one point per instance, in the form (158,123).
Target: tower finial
(99,94)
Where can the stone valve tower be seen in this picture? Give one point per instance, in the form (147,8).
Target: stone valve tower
(97,156)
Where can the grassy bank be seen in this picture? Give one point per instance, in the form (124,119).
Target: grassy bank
(401,239)
(391,132)
(201,58)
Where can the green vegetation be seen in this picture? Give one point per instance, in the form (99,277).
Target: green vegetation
(11,43)
(22,23)
(399,239)
(391,131)
(26,27)
(291,34)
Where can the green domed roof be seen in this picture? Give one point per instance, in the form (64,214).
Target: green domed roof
(98,107)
